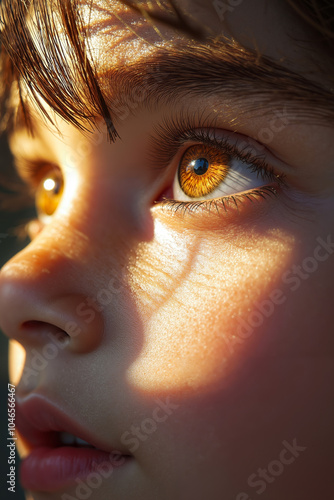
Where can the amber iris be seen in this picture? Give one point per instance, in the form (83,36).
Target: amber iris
(202,169)
(49,193)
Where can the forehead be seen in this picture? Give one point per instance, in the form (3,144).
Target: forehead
(119,35)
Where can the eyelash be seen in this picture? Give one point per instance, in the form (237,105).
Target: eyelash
(218,204)
(177,132)
(32,171)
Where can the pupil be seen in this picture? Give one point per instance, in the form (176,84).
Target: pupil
(200,166)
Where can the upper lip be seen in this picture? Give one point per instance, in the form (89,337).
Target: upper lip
(40,421)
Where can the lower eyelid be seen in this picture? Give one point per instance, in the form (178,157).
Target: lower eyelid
(227,206)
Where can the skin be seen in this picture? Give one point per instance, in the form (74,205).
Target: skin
(186,286)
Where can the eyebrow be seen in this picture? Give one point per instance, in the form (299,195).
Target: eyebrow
(221,69)
(195,70)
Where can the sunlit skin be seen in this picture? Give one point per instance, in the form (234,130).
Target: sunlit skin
(186,284)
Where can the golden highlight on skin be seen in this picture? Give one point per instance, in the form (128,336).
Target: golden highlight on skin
(202,169)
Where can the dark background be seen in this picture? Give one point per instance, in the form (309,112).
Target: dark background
(10,243)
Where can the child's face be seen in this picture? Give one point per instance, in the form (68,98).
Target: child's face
(196,339)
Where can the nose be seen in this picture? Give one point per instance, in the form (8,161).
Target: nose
(42,293)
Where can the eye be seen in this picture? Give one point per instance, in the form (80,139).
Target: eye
(49,194)
(207,172)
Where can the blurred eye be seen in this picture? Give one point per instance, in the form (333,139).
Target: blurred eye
(49,193)
(206,171)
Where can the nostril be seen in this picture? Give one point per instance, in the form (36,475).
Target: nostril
(41,332)
(32,312)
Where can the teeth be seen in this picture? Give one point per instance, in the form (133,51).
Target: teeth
(82,442)
(69,439)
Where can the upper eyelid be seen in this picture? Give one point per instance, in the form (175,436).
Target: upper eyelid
(32,171)
(175,132)
(163,155)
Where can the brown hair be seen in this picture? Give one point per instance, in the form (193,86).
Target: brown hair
(319,14)
(47,71)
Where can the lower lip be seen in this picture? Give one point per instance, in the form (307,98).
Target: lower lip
(52,469)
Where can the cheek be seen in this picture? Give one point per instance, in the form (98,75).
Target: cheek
(17,356)
(193,294)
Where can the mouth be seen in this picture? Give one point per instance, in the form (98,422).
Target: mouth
(60,450)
